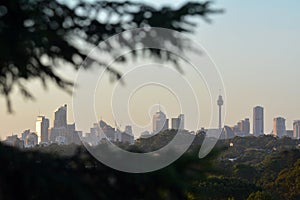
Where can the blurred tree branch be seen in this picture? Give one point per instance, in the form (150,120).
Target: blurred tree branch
(36,34)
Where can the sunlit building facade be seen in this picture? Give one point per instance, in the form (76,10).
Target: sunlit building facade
(279,129)
(160,122)
(41,128)
(296,127)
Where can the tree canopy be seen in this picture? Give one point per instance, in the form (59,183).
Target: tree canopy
(50,172)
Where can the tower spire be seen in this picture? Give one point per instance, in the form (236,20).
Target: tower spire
(220,103)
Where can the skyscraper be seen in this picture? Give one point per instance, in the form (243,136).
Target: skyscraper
(279,127)
(178,123)
(62,132)
(220,104)
(246,126)
(296,126)
(25,133)
(31,140)
(108,131)
(41,128)
(60,123)
(127,135)
(175,123)
(181,117)
(166,125)
(258,121)
(128,129)
(160,122)
(60,119)
(243,127)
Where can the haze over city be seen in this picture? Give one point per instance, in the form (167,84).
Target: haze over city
(257,58)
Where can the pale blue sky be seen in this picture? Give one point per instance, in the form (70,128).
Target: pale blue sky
(256,46)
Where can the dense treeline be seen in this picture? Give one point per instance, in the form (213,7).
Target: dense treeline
(71,173)
(250,168)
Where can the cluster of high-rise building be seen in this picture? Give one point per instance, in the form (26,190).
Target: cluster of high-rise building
(242,128)
(279,128)
(61,132)
(161,123)
(64,133)
(102,131)
(279,125)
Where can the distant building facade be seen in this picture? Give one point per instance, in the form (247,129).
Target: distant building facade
(104,132)
(60,117)
(160,122)
(175,123)
(14,141)
(108,131)
(279,129)
(41,128)
(24,134)
(62,132)
(127,138)
(258,121)
(178,123)
(60,123)
(242,128)
(296,129)
(31,140)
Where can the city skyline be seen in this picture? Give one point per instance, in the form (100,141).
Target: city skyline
(63,133)
(143,99)
(251,64)
(46,133)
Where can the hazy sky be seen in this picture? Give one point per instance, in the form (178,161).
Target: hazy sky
(255,45)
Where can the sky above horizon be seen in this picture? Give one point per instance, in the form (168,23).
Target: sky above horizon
(255,45)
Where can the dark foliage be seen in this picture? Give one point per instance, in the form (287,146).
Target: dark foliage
(260,196)
(223,189)
(268,162)
(56,172)
(36,175)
